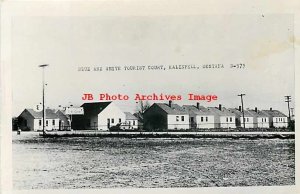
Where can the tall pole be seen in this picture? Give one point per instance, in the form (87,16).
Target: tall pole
(71,119)
(241,95)
(44,112)
(288,100)
(292,110)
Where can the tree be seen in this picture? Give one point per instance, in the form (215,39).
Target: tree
(142,106)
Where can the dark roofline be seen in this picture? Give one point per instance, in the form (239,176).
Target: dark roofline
(26,110)
(96,102)
(156,104)
(165,111)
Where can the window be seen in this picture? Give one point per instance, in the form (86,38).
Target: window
(247,119)
(133,122)
(112,120)
(206,119)
(226,119)
(230,119)
(53,122)
(40,122)
(182,118)
(192,119)
(177,118)
(120,120)
(265,120)
(108,120)
(201,119)
(47,123)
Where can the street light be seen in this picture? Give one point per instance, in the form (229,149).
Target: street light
(44,112)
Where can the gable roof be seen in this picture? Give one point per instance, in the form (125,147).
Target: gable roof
(62,114)
(274,113)
(94,107)
(193,109)
(175,109)
(50,114)
(247,113)
(258,113)
(222,112)
(130,116)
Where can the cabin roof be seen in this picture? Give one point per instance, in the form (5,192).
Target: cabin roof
(274,113)
(130,116)
(222,112)
(94,107)
(201,111)
(175,109)
(247,113)
(50,114)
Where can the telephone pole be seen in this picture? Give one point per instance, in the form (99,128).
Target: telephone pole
(288,100)
(241,95)
(292,110)
(44,113)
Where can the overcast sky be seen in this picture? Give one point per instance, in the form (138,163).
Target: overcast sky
(264,43)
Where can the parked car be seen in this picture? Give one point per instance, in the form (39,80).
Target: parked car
(117,127)
(121,127)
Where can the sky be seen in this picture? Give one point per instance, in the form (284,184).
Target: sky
(264,43)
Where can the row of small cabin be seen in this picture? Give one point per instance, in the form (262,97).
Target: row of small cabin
(173,116)
(104,115)
(98,115)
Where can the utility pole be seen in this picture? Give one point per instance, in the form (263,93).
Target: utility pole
(292,110)
(241,95)
(71,105)
(44,112)
(288,100)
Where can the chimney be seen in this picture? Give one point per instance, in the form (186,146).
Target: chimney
(271,108)
(240,108)
(220,107)
(170,103)
(255,109)
(198,105)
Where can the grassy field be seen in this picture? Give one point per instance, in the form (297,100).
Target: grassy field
(80,162)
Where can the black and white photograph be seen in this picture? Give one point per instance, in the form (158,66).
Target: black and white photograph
(134,100)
